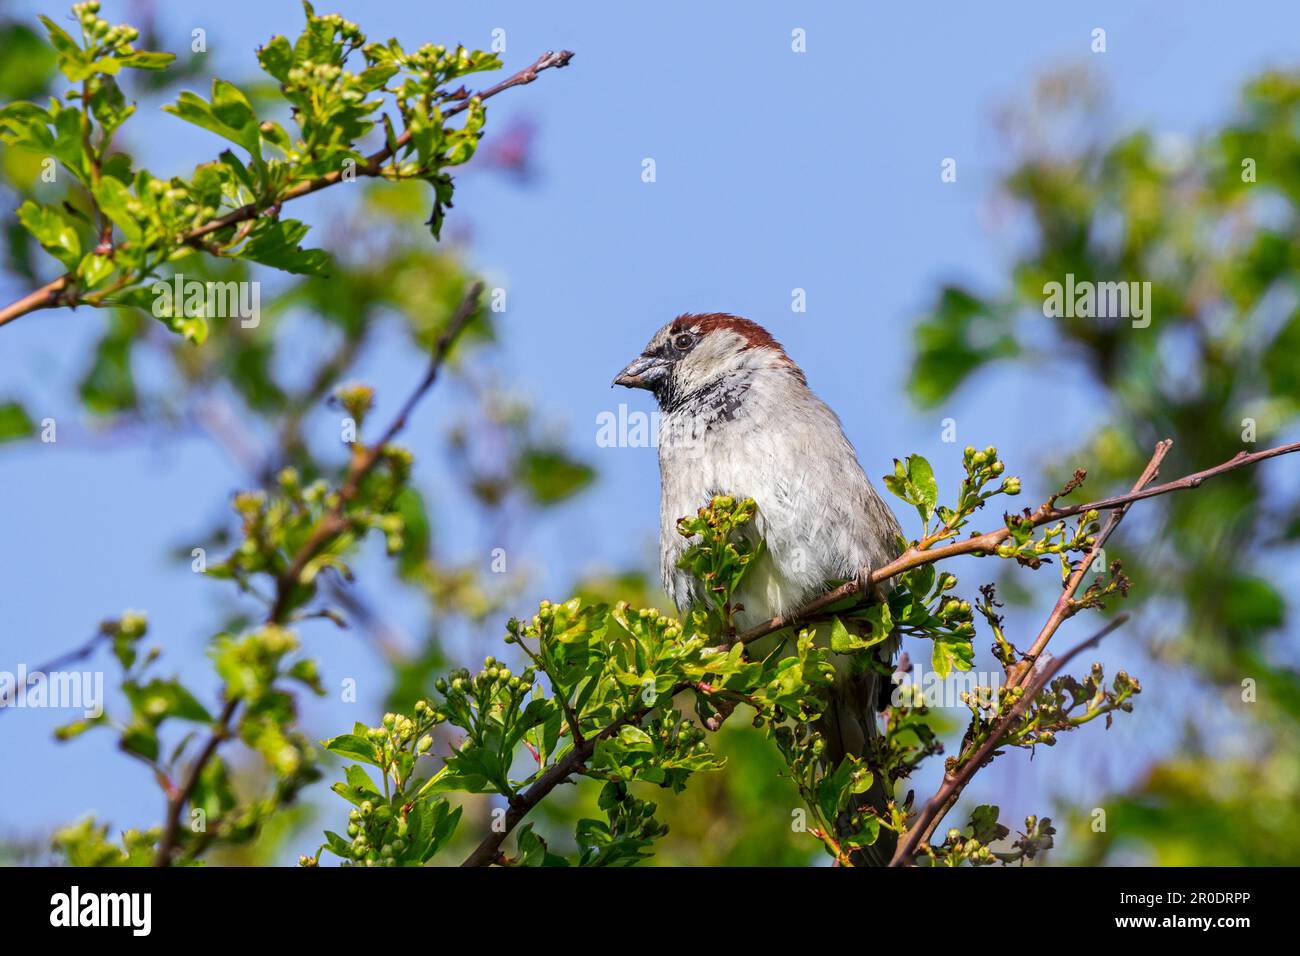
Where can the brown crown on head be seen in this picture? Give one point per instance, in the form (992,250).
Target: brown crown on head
(755,336)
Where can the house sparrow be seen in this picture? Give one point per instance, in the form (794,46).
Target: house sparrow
(739,419)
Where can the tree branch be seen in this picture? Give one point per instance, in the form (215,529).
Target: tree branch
(334,521)
(331,524)
(375,162)
(987,543)
(1064,607)
(954,783)
(54,293)
(489,850)
(46,297)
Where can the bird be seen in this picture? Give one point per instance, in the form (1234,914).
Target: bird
(737,418)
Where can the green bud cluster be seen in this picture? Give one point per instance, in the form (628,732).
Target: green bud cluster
(98,35)
(1029,545)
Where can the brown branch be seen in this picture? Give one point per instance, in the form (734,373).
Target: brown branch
(988,543)
(330,525)
(334,521)
(1064,607)
(954,783)
(46,297)
(375,162)
(489,850)
(1061,611)
(176,800)
(52,294)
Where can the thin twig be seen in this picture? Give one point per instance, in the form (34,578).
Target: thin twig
(334,521)
(67,657)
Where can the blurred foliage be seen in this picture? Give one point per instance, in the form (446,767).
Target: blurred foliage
(1214,226)
(1202,810)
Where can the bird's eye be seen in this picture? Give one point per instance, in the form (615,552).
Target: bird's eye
(683,341)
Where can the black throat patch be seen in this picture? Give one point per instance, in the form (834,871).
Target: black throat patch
(717,402)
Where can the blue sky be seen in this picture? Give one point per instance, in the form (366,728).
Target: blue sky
(775,171)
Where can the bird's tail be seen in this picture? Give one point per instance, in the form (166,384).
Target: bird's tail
(848,727)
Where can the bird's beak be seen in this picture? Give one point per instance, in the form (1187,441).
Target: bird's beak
(644,371)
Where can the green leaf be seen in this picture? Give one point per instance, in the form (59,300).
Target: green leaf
(951,652)
(914,483)
(984,824)
(275,242)
(62,42)
(359,779)
(140,738)
(833,790)
(54,230)
(1253,604)
(160,699)
(26,64)
(229,115)
(962,334)
(841,640)
(844,641)
(922,477)
(145,60)
(867,834)
(635,739)
(113,199)
(350,745)
(15,423)
(337,845)
(550,475)
(276,58)
(920,580)
(94,269)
